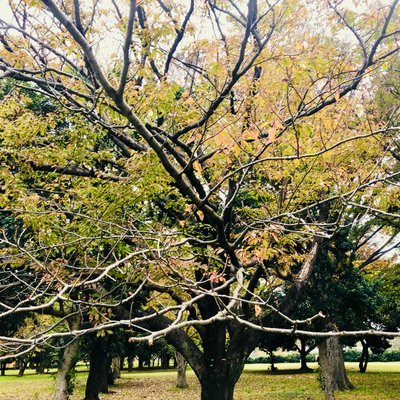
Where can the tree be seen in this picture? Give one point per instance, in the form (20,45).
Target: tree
(64,378)
(337,283)
(389,279)
(271,343)
(211,160)
(377,345)
(181,365)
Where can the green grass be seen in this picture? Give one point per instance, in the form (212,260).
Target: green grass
(382,382)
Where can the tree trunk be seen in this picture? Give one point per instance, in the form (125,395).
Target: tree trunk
(22,367)
(364,357)
(40,367)
(303,362)
(116,367)
(66,367)
(97,380)
(332,367)
(272,358)
(165,361)
(217,362)
(218,383)
(303,355)
(3,368)
(109,379)
(130,364)
(140,362)
(181,364)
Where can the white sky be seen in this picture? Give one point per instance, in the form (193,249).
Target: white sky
(108,45)
(6,15)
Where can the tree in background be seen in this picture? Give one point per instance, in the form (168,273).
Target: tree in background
(198,167)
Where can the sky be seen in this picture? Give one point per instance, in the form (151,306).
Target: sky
(6,15)
(108,45)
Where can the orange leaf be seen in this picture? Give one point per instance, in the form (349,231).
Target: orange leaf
(197,167)
(200,215)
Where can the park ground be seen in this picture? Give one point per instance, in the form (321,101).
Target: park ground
(381,382)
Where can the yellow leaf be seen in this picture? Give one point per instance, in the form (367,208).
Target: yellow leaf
(271,134)
(200,215)
(185,94)
(250,134)
(197,167)
(257,310)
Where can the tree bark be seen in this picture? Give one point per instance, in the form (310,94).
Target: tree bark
(140,362)
(220,363)
(272,358)
(218,382)
(22,367)
(97,380)
(165,361)
(303,362)
(116,367)
(40,368)
(63,380)
(332,367)
(303,355)
(181,364)
(3,368)
(130,363)
(364,357)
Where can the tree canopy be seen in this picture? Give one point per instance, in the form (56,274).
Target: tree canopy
(198,155)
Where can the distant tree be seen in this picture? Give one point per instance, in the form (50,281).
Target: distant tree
(376,344)
(271,343)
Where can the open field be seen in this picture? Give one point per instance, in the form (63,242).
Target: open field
(382,381)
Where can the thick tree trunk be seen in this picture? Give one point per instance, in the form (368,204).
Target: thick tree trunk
(181,364)
(332,367)
(3,368)
(218,383)
(364,357)
(223,364)
(97,380)
(63,380)
(109,380)
(217,363)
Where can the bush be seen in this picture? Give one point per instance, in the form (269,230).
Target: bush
(350,355)
(355,355)
(289,358)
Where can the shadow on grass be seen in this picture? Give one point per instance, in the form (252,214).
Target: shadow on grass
(281,372)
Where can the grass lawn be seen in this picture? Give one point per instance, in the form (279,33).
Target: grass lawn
(382,382)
